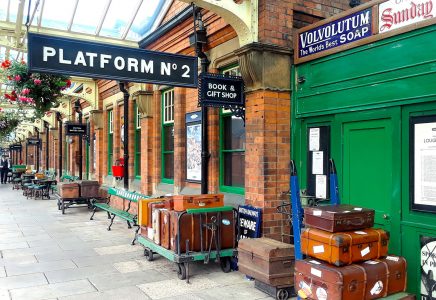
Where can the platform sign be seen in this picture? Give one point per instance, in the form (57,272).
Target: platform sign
(33,141)
(75,129)
(249,221)
(218,90)
(428,268)
(343,31)
(17,147)
(66,56)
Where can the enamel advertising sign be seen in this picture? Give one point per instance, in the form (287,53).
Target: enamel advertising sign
(395,14)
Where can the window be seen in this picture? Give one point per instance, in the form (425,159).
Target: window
(137,142)
(232,148)
(168,136)
(110,141)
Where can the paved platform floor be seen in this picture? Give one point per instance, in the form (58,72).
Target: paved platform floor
(47,255)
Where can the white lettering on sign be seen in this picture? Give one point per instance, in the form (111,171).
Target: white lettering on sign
(249,224)
(394,14)
(48,51)
(221,90)
(61,58)
(104,60)
(146,67)
(80,59)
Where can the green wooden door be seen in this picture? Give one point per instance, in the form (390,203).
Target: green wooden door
(367,167)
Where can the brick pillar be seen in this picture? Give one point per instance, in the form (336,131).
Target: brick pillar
(156,140)
(266,73)
(179,139)
(131,125)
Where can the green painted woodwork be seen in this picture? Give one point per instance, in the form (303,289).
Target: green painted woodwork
(364,81)
(118,212)
(367,161)
(170,255)
(132,196)
(163,145)
(367,96)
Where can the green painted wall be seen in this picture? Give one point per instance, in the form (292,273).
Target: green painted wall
(367,96)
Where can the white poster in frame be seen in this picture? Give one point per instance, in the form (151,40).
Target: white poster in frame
(423,163)
(193,147)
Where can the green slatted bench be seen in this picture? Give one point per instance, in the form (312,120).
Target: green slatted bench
(113,212)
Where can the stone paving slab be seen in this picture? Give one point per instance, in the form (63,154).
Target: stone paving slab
(53,290)
(67,257)
(39,267)
(128,292)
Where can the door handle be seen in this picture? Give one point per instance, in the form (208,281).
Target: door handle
(386,216)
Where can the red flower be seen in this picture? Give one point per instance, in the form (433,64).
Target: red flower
(6,64)
(68,82)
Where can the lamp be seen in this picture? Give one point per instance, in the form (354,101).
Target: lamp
(143,101)
(199,36)
(97,118)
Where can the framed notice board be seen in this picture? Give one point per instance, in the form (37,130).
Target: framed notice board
(422,162)
(318,154)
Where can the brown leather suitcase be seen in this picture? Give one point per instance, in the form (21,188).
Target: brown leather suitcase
(397,280)
(155,220)
(319,281)
(184,202)
(336,218)
(267,260)
(165,228)
(189,230)
(89,188)
(343,248)
(190,225)
(68,190)
(151,206)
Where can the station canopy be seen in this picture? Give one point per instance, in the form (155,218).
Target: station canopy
(118,22)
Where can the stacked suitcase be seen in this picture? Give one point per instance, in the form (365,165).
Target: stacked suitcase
(164,221)
(347,259)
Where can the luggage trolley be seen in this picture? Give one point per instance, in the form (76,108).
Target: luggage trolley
(206,254)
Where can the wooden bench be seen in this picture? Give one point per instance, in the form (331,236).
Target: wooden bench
(130,218)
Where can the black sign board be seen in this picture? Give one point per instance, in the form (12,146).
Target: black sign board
(33,141)
(219,90)
(59,55)
(76,129)
(17,147)
(249,219)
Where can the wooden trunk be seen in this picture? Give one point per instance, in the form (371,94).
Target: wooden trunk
(184,202)
(68,190)
(344,248)
(267,260)
(89,188)
(155,219)
(336,218)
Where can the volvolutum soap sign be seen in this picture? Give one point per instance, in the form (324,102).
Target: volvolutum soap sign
(336,33)
(96,60)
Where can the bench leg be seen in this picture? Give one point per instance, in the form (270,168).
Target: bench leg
(108,215)
(93,213)
(112,221)
(128,225)
(136,235)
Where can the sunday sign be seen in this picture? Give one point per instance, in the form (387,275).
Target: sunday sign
(49,54)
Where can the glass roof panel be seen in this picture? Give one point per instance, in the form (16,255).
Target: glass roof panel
(119,14)
(3,10)
(144,19)
(13,9)
(88,15)
(57,13)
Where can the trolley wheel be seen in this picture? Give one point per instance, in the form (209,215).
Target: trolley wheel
(282,294)
(225,264)
(181,271)
(148,254)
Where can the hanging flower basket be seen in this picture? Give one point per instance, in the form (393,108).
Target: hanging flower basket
(8,123)
(41,91)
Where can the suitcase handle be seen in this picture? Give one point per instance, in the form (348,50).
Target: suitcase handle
(354,223)
(287,262)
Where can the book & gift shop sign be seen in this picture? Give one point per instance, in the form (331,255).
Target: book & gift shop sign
(217,90)
(49,54)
